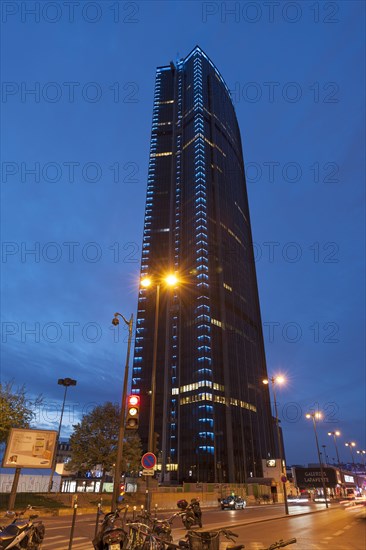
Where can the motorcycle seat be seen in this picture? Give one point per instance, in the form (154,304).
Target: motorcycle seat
(12,530)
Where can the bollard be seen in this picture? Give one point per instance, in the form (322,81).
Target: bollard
(125,515)
(133,514)
(73,522)
(156,511)
(97,519)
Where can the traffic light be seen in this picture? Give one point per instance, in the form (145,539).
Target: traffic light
(121,492)
(133,410)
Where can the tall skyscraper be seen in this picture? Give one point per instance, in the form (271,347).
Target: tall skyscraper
(212,413)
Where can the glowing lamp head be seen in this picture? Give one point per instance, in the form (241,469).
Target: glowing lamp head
(171,280)
(145,282)
(280,379)
(265,381)
(315,415)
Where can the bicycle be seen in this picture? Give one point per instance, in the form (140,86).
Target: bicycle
(162,528)
(137,534)
(211,541)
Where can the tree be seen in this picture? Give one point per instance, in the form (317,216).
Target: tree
(16,410)
(132,452)
(94,442)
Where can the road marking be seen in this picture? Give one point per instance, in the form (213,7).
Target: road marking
(54,528)
(74,546)
(328,538)
(339,533)
(85,545)
(348,527)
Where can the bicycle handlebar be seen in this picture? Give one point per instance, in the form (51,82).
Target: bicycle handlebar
(227,532)
(281,544)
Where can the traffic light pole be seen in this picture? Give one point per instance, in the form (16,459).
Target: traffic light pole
(121,433)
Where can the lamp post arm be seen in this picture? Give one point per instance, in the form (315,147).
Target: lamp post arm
(124,318)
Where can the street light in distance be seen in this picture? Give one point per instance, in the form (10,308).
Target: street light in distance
(66,382)
(362,453)
(279,379)
(351,445)
(335,434)
(318,416)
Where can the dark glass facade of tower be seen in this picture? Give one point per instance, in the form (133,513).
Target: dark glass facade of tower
(212,414)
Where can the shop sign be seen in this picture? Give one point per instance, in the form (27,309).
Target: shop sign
(312,477)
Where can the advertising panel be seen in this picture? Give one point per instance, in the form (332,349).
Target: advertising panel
(30,448)
(311,477)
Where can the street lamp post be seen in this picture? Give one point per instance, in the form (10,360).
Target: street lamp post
(66,382)
(315,416)
(351,444)
(170,280)
(121,432)
(325,455)
(278,380)
(362,453)
(335,435)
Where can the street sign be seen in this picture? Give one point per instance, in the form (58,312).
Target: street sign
(148,460)
(283,479)
(148,472)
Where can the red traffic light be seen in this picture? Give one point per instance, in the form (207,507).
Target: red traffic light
(133,409)
(133,400)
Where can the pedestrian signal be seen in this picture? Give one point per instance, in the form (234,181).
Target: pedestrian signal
(133,411)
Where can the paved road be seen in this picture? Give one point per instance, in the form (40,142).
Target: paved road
(339,528)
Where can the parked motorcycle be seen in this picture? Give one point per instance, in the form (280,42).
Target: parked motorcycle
(112,534)
(22,534)
(191,514)
(196,508)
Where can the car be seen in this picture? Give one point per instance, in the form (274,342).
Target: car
(297,499)
(321,498)
(233,502)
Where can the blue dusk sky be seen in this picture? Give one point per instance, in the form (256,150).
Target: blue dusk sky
(77,95)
